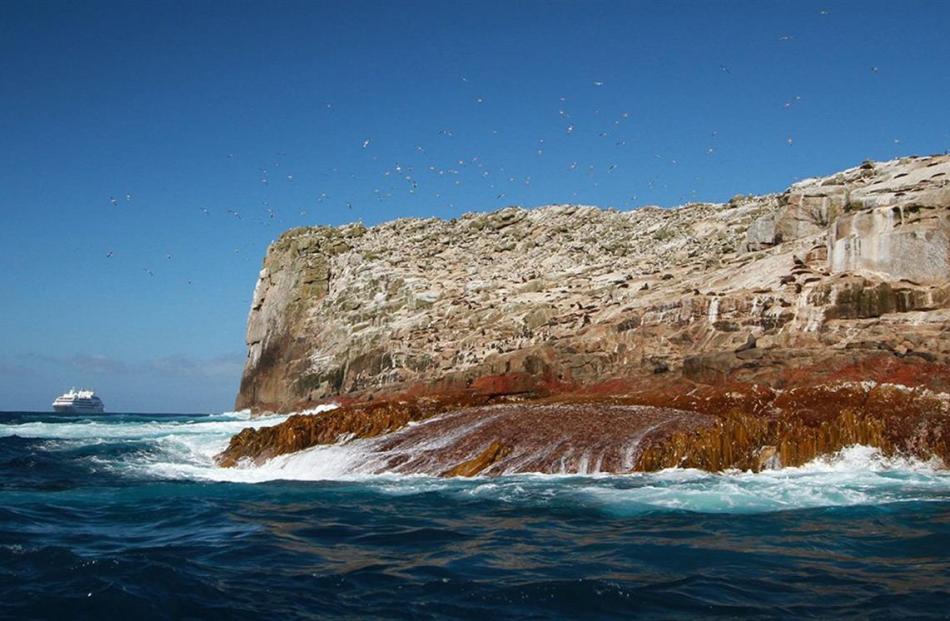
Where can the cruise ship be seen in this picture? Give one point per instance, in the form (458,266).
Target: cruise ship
(79,402)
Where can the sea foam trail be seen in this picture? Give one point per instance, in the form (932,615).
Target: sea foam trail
(858,475)
(183,448)
(135,426)
(175,446)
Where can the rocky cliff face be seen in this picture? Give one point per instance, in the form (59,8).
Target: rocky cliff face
(567,298)
(761,332)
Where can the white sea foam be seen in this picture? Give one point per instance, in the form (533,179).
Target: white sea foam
(854,476)
(858,475)
(184,449)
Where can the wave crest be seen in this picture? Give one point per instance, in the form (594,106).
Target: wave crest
(183,448)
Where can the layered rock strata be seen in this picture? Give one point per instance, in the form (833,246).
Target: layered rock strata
(566,299)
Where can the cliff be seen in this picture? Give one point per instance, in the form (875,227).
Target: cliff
(831,268)
(850,271)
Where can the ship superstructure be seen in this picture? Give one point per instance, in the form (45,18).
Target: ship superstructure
(80,401)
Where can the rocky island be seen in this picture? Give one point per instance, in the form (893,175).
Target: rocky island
(756,333)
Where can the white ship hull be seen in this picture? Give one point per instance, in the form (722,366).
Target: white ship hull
(79,402)
(78,408)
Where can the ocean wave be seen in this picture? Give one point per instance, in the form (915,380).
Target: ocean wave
(182,448)
(858,475)
(210,431)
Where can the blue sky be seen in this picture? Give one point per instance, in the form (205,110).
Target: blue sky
(228,122)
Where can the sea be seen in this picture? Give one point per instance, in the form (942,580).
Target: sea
(126,516)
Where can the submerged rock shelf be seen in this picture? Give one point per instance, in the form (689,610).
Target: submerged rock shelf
(749,427)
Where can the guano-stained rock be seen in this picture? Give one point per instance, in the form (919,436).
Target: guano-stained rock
(569,300)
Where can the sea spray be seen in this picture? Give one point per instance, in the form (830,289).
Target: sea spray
(114,521)
(182,449)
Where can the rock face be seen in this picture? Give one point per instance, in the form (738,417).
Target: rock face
(711,427)
(710,335)
(561,297)
(548,437)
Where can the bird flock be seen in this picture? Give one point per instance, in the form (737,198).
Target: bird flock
(421,172)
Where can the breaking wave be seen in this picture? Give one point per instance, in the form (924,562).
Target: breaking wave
(128,516)
(182,448)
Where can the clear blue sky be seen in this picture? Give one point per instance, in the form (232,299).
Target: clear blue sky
(262,109)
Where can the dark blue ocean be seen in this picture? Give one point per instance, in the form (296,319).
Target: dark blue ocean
(126,517)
